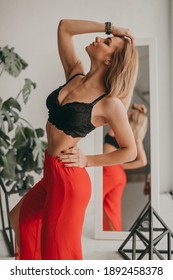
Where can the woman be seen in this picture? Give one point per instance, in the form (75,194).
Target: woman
(114,177)
(48,221)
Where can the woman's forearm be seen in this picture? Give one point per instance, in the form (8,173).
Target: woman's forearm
(141,159)
(74,27)
(74,157)
(134,164)
(141,154)
(77,26)
(116,157)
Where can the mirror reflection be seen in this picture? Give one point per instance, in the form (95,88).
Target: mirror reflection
(126,187)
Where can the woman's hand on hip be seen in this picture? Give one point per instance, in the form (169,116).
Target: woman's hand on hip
(73,157)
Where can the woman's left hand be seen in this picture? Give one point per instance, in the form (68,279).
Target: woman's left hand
(73,157)
(120,31)
(140,107)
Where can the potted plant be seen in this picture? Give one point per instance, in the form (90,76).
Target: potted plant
(21,145)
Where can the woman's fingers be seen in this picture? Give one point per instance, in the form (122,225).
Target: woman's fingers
(73,157)
(120,31)
(68,157)
(71,164)
(140,107)
(71,150)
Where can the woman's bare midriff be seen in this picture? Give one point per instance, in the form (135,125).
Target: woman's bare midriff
(58,141)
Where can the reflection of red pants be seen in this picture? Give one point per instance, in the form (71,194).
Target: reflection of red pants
(114,181)
(52,213)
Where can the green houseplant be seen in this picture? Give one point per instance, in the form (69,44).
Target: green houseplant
(21,145)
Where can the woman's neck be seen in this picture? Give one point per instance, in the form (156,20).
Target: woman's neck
(95,78)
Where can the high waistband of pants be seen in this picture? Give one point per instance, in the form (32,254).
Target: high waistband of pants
(54,159)
(112,167)
(51,157)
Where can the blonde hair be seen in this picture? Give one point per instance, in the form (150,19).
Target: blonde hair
(138,122)
(121,74)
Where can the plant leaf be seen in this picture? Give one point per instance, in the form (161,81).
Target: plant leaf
(38,153)
(18,185)
(27,88)
(7,114)
(2,126)
(2,151)
(4,143)
(14,64)
(9,120)
(4,136)
(29,181)
(20,138)
(14,115)
(9,165)
(1,103)
(28,132)
(12,103)
(9,182)
(2,161)
(39,132)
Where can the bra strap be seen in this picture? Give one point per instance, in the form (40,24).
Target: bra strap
(73,78)
(98,98)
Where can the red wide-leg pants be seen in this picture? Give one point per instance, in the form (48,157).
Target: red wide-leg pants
(114,181)
(52,213)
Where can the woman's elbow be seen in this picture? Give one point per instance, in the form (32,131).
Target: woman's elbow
(144,162)
(132,153)
(62,25)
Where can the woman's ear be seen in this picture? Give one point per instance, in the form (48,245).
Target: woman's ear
(108,61)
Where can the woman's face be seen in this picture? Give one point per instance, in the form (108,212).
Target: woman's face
(103,48)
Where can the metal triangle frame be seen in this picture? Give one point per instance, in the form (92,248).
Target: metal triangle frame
(150,243)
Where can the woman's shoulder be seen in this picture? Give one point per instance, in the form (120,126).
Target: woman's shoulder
(113,106)
(112,101)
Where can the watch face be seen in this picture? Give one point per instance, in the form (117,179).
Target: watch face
(108,27)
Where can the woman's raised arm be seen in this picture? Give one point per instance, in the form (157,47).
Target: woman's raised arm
(67,28)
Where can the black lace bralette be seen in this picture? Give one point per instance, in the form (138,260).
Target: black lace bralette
(73,118)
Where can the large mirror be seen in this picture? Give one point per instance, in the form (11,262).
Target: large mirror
(126,189)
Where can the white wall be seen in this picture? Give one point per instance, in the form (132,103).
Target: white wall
(30,27)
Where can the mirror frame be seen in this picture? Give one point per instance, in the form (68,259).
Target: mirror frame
(154,140)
